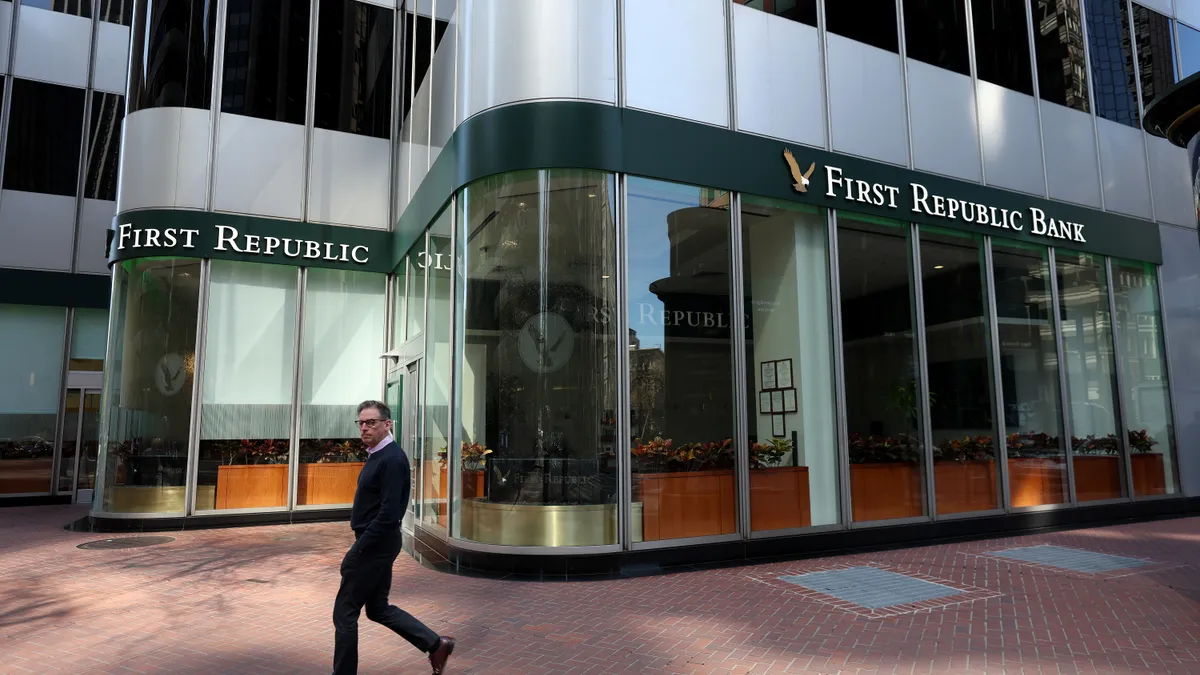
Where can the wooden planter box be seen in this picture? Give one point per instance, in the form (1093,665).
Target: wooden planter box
(964,487)
(327,483)
(248,486)
(434,497)
(18,476)
(1149,474)
(1034,481)
(686,504)
(779,498)
(886,490)
(1097,477)
(472,484)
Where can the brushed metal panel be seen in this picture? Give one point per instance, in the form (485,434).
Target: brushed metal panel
(779,87)
(445,8)
(945,137)
(348,179)
(1012,149)
(866,101)
(260,167)
(1173,201)
(675,59)
(36,230)
(1123,165)
(52,47)
(419,147)
(112,57)
(5,32)
(94,220)
(149,155)
(1071,164)
(519,50)
(191,169)
(441,123)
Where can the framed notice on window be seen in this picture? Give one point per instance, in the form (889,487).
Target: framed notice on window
(768,375)
(778,427)
(789,400)
(783,374)
(764,402)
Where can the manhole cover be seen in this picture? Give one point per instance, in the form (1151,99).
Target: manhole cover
(126,542)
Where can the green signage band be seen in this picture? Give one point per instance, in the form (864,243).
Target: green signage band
(577,135)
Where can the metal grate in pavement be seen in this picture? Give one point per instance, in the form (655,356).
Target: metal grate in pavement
(126,542)
(871,587)
(1073,559)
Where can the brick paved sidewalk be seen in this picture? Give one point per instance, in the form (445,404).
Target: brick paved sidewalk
(258,600)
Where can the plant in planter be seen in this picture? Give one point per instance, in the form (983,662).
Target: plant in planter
(1149,472)
(330,451)
(883,449)
(686,490)
(769,453)
(965,449)
(1141,441)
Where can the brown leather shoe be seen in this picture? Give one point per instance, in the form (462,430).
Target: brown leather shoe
(440,654)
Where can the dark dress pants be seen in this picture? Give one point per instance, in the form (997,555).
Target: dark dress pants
(366,580)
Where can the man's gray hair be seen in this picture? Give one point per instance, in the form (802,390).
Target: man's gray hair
(384,411)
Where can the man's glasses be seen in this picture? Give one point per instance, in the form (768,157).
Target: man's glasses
(368,423)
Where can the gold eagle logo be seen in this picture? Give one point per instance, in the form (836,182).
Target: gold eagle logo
(801,179)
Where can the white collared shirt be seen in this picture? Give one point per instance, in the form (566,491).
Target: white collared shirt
(382,444)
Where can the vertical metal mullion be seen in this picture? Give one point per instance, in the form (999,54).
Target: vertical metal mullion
(839,376)
(399,45)
(1173,439)
(1064,391)
(902,51)
(297,385)
(310,106)
(997,374)
(216,87)
(621,74)
(453,431)
(1145,138)
(1037,93)
(115,312)
(737,339)
(60,422)
(78,445)
(730,68)
(1091,92)
(6,93)
(623,433)
(823,49)
(193,449)
(84,143)
(925,433)
(969,17)
(1122,419)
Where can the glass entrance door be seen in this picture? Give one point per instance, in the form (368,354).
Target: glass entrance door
(409,435)
(395,399)
(80,445)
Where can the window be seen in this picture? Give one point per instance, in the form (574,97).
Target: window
(117,11)
(1029,381)
(680,361)
(1061,55)
(1189,51)
(804,11)
(872,22)
(1112,62)
(1155,52)
(45,129)
(104,146)
(935,32)
(417,30)
(266,59)
(246,406)
(171,63)
(354,68)
(435,495)
(1091,376)
(30,386)
(538,375)
(81,8)
(789,374)
(89,339)
(883,406)
(958,346)
(148,387)
(1002,44)
(399,296)
(415,264)
(344,314)
(1146,395)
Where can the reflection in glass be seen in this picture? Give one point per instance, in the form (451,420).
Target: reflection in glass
(882,403)
(1150,429)
(89,436)
(81,428)
(399,293)
(30,387)
(1002,44)
(354,68)
(104,146)
(266,59)
(935,32)
(1029,381)
(416,263)
(871,22)
(344,314)
(81,8)
(435,495)
(680,361)
(793,477)
(89,340)
(246,408)
(171,60)
(418,31)
(1113,82)
(69,445)
(1061,55)
(958,345)
(1155,52)
(536,449)
(45,128)
(117,11)
(1091,376)
(148,386)
(804,11)
(1189,51)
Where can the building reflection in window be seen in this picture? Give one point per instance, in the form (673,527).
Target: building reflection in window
(1029,378)
(872,22)
(1155,52)
(171,59)
(793,439)
(536,455)
(1113,74)
(266,59)
(1061,53)
(1002,44)
(30,381)
(1189,51)
(354,68)
(935,32)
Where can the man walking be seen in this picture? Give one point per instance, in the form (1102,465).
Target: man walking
(379,505)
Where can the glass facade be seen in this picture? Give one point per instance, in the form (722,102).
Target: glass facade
(30,385)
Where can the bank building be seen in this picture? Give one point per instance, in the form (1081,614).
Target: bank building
(644,282)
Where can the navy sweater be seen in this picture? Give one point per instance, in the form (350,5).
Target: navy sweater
(381,497)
